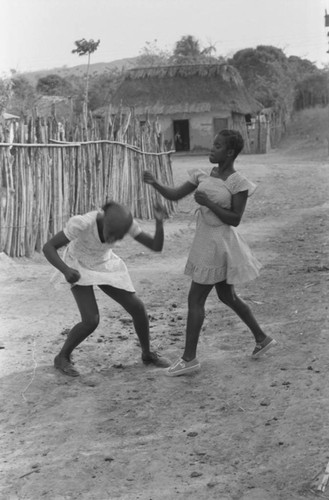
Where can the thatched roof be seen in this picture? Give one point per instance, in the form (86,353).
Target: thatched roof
(185,89)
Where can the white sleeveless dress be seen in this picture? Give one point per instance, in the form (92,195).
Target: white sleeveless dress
(218,252)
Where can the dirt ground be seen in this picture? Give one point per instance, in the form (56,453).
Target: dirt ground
(239,429)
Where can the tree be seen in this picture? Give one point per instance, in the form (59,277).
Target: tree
(102,87)
(54,85)
(23,95)
(266,74)
(301,67)
(77,85)
(84,47)
(188,51)
(187,48)
(312,90)
(152,55)
(5,93)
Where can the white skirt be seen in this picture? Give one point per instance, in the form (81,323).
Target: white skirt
(220,253)
(112,271)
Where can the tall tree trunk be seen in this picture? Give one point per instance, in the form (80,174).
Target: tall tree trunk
(87,81)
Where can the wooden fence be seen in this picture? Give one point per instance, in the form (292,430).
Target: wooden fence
(51,171)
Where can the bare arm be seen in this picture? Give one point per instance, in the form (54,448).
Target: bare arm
(155,242)
(170,193)
(231,216)
(50,251)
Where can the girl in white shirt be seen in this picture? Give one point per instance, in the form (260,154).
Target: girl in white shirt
(219,257)
(89,260)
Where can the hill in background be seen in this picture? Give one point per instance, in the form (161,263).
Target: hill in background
(80,70)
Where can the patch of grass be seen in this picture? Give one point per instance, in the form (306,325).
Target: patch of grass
(308,132)
(312,123)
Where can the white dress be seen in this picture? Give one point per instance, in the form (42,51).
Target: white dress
(95,260)
(218,251)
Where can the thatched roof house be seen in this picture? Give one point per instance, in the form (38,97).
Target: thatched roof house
(192,102)
(185,89)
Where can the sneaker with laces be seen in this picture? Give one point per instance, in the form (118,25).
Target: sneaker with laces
(153,358)
(263,347)
(181,367)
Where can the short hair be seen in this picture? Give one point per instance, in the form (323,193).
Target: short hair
(233,140)
(124,214)
(111,204)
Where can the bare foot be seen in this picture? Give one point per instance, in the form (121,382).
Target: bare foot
(65,366)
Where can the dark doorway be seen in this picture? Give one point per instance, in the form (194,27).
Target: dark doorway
(181,135)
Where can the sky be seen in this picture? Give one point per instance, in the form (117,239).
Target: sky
(40,34)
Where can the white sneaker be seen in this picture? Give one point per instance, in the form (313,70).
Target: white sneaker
(181,367)
(263,347)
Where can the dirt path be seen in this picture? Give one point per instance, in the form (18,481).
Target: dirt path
(239,429)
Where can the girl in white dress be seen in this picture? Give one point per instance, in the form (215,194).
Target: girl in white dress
(219,256)
(89,260)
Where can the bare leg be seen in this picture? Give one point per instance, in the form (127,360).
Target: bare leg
(227,295)
(135,307)
(86,302)
(196,301)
